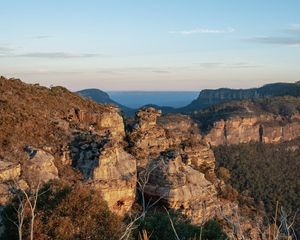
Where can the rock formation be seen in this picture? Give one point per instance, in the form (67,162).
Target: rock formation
(39,167)
(64,135)
(181,172)
(108,167)
(262,128)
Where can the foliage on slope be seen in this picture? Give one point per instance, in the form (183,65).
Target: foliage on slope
(269,172)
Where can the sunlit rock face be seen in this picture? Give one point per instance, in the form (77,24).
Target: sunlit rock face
(116,177)
(108,167)
(147,139)
(39,168)
(182,187)
(181,172)
(261,128)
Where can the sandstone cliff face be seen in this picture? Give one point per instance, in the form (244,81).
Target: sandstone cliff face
(72,133)
(261,128)
(116,177)
(108,167)
(39,168)
(64,132)
(182,187)
(182,174)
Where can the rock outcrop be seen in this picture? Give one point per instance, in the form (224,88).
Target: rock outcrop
(108,167)
(181,172)
(261,128)
(9,170)
(182,187)
(66,132)
(116,177)
(39,167)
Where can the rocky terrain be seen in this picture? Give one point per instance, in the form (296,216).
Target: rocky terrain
(55,134)
(269,120)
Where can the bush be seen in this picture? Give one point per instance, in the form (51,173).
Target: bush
(68,213)
(158,226)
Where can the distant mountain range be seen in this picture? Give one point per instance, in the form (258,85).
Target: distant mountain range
(209,97)
(206,98)
(102,97)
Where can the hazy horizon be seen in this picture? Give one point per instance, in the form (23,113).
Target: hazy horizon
(136,99)
(150,45)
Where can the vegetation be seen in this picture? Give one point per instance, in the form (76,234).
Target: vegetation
(269,172)
(157,225)
(66,213)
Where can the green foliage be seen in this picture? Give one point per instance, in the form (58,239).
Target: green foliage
(158,226)
(67,213)
(270,172)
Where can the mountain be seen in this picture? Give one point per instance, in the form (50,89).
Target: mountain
(210,97)
(54,134)
(102,97)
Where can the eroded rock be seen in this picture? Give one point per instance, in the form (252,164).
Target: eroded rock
(39,167)
(9,171)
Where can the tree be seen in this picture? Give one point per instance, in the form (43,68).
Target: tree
(69,212)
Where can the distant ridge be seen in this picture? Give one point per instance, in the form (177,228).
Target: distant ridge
(102,97)
(206,98)
(210,97)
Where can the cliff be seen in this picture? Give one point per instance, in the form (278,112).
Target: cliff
(208,97)
(52,133)
(269,120)
(181,170)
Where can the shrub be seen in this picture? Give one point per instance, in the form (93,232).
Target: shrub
(157,225)
(68,213)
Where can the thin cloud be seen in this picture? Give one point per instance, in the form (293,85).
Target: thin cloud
(295,28)
(42,36)
(289,41)
(161,71)
(5,51)
(203,30)
(214,65)
(57,55)
(211,64)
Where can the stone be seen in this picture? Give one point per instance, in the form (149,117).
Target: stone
(39,168)
(9,171)
(111,170)
(116,178)
(182,187)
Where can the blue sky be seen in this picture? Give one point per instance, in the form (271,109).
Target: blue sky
(150,45)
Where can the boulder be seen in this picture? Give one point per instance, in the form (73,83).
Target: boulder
(182,187)
(39,167)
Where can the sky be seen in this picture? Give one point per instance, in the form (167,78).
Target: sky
(160,45)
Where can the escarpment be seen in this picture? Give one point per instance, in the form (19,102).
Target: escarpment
(181,172)
(261,128)
(49,134)
(270,120)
